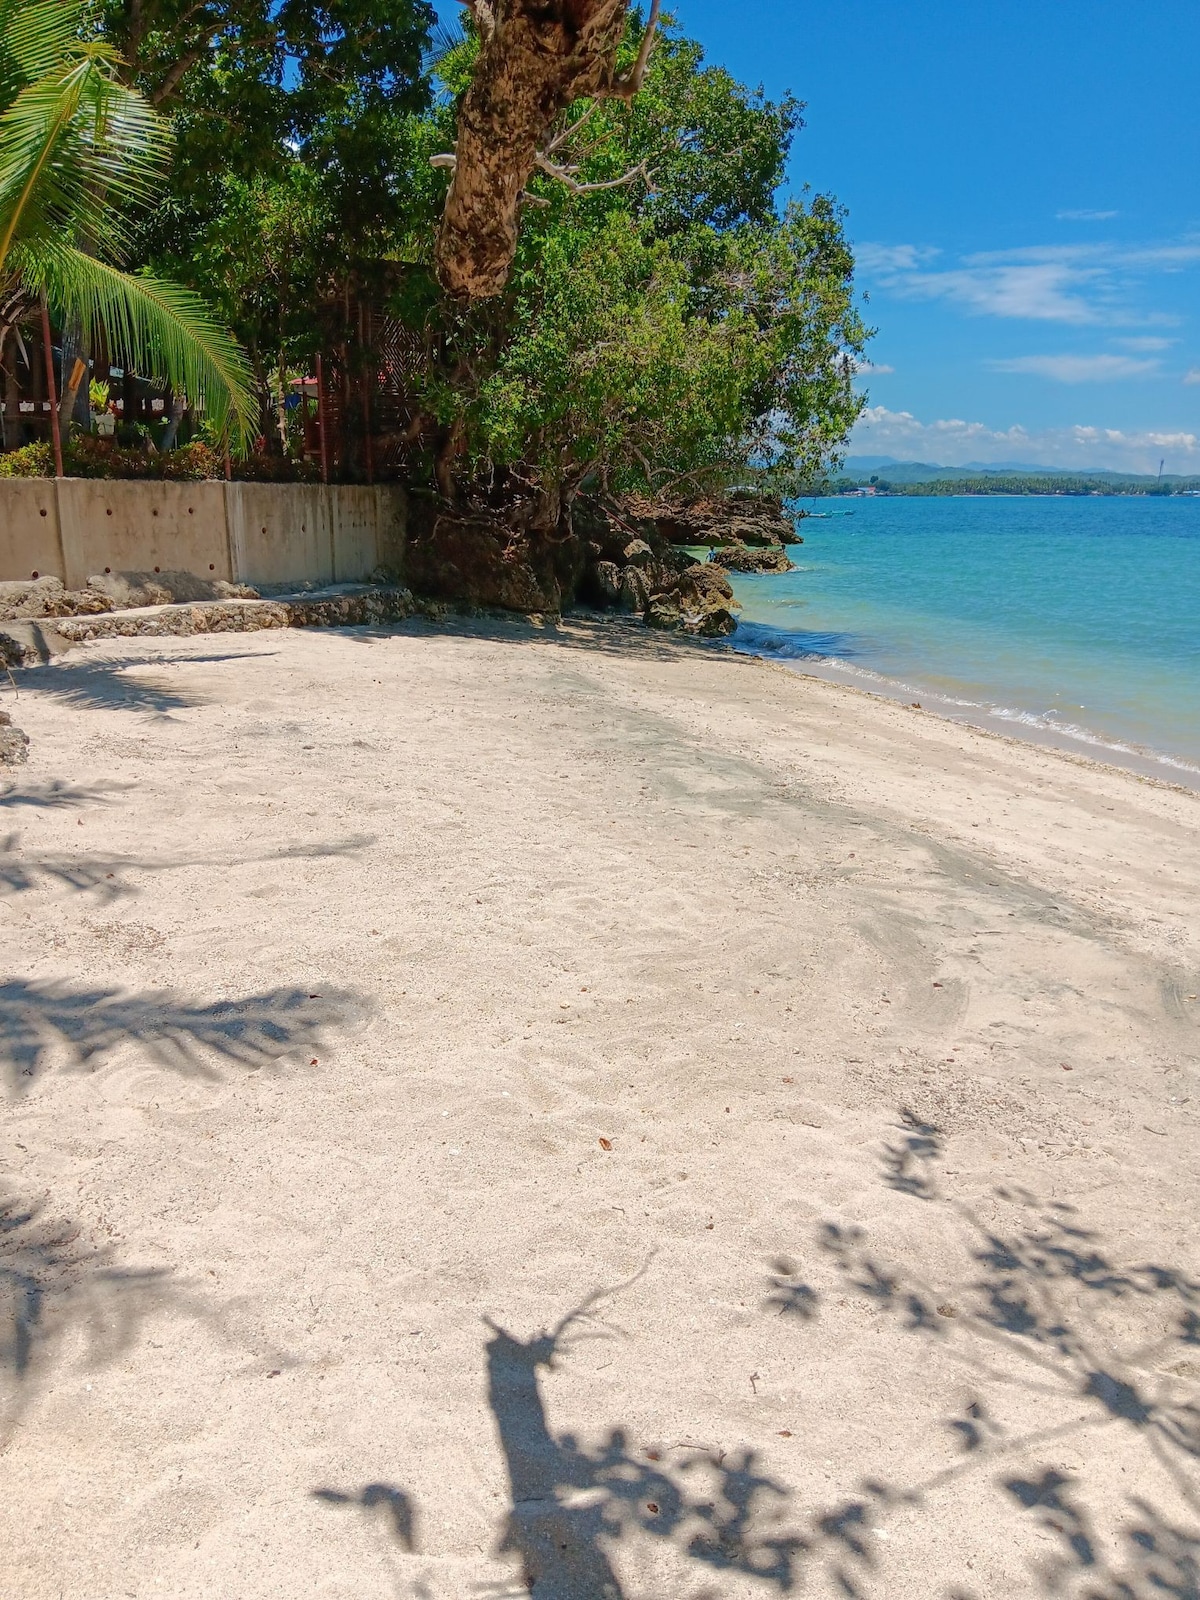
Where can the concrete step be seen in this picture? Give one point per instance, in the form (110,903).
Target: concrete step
(28,643)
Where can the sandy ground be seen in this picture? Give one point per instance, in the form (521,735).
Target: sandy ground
(491,1110)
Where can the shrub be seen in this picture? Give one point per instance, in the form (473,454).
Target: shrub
(30,461)
(86,456)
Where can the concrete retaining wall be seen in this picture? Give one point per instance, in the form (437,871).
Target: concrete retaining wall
(30,545)
(281,531)
(259,533)
(141,527)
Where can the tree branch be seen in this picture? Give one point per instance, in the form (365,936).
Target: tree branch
(536,60)
(625,88)
(170,83)
(484,17)
(566,176)
(571,129)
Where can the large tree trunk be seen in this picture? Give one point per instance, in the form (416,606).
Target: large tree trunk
(536,57)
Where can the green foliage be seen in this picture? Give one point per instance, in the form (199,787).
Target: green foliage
(673,330)
(87,457)
(78,152)
(248,79)
(297,125)
(678,330)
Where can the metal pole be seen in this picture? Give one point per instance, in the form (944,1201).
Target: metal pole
(55,435)
(322,421)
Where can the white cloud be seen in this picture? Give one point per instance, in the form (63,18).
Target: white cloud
(1040,292)
(1169,257)
(953,442)
(1083,284)
(895,257)
(1079,369)
(1192,375)
(1144,344)
(1087,216)
(869,367)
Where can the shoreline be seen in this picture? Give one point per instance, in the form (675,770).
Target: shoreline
(1020,727)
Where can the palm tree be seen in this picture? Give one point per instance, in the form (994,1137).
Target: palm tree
(79,151)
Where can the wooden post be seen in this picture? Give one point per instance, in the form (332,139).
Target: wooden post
(322,420)
(67,403)
(368,443)
(366,372)
(55,435)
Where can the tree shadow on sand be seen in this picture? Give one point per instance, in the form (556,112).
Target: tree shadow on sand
(572,1506)
(1031,1315)
(394,1504)
(41,1022)
(1046,1312)
(590,632)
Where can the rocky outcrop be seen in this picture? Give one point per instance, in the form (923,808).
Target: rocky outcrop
(14,745)
(127,590)
(479,559)
(743,519)
(756,558)
(47,597)
(617,555)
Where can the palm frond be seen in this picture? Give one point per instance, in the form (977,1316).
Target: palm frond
(36,36)
(446,36)
(154,326)
(76,151)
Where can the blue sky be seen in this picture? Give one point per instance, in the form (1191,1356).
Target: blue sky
(1023,188)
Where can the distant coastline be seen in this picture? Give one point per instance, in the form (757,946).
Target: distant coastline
(869,476)
(1011,486)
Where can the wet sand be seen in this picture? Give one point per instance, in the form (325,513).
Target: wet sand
(494,1110)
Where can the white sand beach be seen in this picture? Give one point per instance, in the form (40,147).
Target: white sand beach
(495,1110)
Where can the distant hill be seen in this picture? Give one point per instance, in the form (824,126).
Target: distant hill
(862,468)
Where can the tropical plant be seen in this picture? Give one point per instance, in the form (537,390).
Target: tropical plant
(80,152)
(670,325)
(292,167)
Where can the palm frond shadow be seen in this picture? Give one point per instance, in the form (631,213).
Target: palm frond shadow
(104,876)
(42,1022)
(56,795)
(112,683)
(53,1282)
(43,1266)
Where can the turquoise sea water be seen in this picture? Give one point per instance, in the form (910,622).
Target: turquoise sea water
(1076,618)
